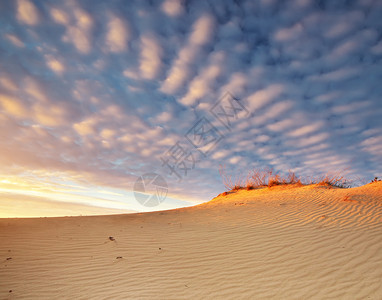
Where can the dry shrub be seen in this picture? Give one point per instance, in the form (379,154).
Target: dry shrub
(292,178)
(267,177)
(260,177)
(231,182)
(335,179)
(274,180)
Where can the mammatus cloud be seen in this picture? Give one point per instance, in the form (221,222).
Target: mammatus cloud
(94,95)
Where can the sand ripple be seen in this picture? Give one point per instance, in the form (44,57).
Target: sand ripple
(281,243)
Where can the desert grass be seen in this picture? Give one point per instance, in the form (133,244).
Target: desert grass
(267,177)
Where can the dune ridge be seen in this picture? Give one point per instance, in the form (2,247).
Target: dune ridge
(284,242)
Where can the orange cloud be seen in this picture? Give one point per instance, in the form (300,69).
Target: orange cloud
(55,65)
(52,115)
(59,16)
(15,40)
(12,106)
(8,84)
(84,128)
(27,12)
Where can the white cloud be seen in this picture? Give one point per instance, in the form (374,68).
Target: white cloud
(117,35)
(272,112)
(307,129)
(132,74)
(202,30)
(288,34)
(27,12)
(310,140)
(201,33)
(151,54)
(79,32)
(282,125)
(339,25)
(79,38)
(172,8)
(235,159)
(163,117)
(343,73)
(178,75)
(236,84)
(263,97)
(262,138)
(373,145)
(203,83)
(220,154)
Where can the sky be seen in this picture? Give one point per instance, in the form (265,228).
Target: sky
(97,95)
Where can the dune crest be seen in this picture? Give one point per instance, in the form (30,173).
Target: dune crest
(284,242)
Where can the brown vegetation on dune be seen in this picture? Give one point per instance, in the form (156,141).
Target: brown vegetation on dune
(267,177)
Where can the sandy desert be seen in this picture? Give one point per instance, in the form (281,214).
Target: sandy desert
(117,118)
(283,242)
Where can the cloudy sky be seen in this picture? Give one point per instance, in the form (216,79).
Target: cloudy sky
(95,94)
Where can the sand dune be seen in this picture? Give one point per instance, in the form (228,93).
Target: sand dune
(310,242)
